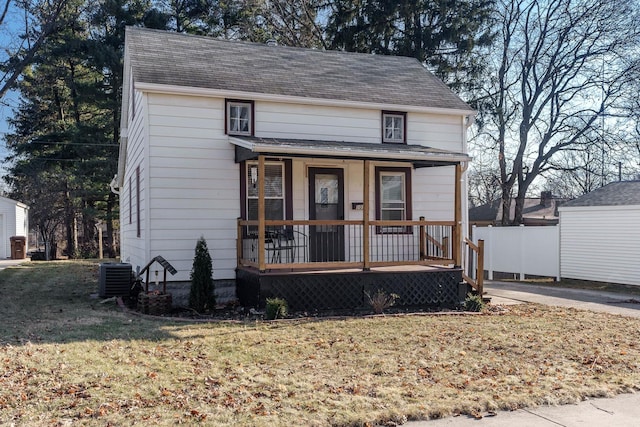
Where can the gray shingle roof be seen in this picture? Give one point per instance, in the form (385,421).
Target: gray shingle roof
(163,57)
(613,194)
(419,154)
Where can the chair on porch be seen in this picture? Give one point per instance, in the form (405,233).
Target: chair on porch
(286,245)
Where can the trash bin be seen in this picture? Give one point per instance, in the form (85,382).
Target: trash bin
(18,247)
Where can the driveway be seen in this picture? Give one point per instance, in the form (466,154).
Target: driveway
(512,292)
(4,263)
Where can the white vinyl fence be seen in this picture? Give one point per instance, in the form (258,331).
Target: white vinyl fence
(520,250)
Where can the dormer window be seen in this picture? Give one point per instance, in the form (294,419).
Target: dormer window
(394,125)
(239,117)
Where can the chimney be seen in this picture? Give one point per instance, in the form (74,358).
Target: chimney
(545,198)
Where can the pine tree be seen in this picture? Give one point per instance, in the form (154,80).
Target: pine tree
(202,296)
(67,125)
(444,34)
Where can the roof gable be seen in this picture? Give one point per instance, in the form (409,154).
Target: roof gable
(167,58)
(623,193)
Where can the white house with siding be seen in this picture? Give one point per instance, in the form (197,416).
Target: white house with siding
(600,236)
(333,134)
(14,221)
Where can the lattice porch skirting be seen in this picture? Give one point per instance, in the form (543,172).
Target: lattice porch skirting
(346,290)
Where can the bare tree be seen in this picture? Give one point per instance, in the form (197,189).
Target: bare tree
(294,22)
(561,67)
(484,184)
(40,19)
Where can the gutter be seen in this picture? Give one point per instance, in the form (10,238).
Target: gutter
(199,91)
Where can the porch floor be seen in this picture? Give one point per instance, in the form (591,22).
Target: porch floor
(348,288)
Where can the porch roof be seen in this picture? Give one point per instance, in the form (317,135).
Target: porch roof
(249,147)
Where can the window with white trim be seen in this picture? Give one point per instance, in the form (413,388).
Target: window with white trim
(393,127)
(239,117)
(274,191)
(393,198)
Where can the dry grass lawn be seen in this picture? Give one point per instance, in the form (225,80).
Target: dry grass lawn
(66,359)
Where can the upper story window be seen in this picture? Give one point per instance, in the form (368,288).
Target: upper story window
(239,117)
(394,127)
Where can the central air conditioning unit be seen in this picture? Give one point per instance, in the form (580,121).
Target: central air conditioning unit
(115,279)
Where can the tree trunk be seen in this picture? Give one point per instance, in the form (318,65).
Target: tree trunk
(69,225)
(519,208)
(506,205)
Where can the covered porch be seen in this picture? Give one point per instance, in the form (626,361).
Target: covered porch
(326,261)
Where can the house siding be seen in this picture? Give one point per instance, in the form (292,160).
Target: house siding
(283,120)
(13,222)
(191,182)
(600,243)
(133,248)
(194,180)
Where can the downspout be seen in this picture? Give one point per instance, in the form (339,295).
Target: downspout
(113,185)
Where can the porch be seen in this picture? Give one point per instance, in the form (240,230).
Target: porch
(320,264)
(327,261)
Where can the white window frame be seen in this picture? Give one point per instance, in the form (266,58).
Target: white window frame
(406,209)
(403,176)
(398,132)
(242,104)
(250,165)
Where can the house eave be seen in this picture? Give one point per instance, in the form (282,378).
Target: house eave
(603,207)
(207,92)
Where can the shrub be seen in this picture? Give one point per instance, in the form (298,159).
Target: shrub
(381,300)
(201,296)
(473,303)
(277,308)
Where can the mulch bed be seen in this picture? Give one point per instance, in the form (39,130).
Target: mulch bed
(234,313)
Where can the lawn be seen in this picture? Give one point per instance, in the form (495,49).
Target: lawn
(67,359)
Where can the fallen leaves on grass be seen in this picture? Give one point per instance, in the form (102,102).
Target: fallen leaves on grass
(103,369)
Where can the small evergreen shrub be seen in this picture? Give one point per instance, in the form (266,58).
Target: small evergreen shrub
(277,308)
(201,296)
(473,303)
(381,300)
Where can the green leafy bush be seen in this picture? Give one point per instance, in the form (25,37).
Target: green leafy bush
(277,308)
(473,303)
(202,296)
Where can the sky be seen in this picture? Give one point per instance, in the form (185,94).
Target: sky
(8,31)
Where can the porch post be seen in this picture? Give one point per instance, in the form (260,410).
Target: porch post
(365,216)
(457,229)
(261,215)
(423,241)
(480,272)
(239,253)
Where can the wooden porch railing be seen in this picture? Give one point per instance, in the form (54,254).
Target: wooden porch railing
(306,244)
(475,277)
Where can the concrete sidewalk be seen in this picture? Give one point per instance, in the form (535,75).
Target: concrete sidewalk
(619,411)
(608,302)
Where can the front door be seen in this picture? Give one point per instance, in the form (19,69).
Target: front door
(326,202)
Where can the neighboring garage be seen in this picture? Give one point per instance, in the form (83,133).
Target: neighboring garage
(14,221)
(600,235)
